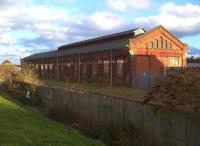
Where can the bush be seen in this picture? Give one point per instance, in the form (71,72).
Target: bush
(122,133)
(6,70)
(28,75)
(118,133)
(181,91)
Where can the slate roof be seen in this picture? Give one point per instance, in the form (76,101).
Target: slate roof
(42,55)
(114,41)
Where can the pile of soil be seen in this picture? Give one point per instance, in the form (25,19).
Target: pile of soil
(180,91)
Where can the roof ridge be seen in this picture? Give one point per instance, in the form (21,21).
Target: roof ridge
(121,33)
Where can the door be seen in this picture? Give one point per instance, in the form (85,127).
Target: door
(142,72)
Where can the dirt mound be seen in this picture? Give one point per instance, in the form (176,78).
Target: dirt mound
(180,91)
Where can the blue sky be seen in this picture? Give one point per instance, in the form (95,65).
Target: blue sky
(32,26)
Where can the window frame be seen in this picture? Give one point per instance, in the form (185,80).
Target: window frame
(174,61)
(106,68)
(120,67)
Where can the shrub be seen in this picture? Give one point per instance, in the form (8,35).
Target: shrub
(181,91)
(122,133)
(118,133)
(28,75)
(6,70)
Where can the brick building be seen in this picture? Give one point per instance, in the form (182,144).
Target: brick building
(134,58)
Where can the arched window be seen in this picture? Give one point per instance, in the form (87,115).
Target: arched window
(156,43)
(166,44)
(146,46)
(151,44)
(161,42)
(170,45)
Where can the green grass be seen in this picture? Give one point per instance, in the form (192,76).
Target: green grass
(123,92)
(23,126)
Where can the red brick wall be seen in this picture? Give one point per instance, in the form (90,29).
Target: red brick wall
(154,60)
(147,67)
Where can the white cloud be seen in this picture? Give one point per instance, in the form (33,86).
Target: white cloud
(11,53)
(129,4)
(181,19)
(51,32)
(50,23)
(105,20)
(46,21)
(5,39)
(45,14)
(53,25)
(22,50)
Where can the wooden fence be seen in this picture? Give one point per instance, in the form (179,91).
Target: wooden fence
(160,126)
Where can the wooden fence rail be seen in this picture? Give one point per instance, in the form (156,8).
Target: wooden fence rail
(160,126)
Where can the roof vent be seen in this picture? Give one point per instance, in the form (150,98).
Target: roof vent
(139,31)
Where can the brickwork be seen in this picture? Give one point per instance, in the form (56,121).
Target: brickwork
(152,53)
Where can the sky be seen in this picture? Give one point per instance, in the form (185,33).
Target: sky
(33,26)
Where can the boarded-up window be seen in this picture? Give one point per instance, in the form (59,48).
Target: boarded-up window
(50,66)
(106,67)
(68,64)
(68,68)
(120,66)
(42,66)
(42,69)
(89,69)
(46,66)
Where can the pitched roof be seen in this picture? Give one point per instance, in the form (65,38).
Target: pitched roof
(114,41)
(128,33)
(6,62)
(42,55)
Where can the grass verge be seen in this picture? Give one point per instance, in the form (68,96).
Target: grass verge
(21,127)
(122,92)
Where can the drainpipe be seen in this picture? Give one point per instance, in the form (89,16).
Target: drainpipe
(149,71)
(131,53)
(149,67)
(132,67)
(111,61)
